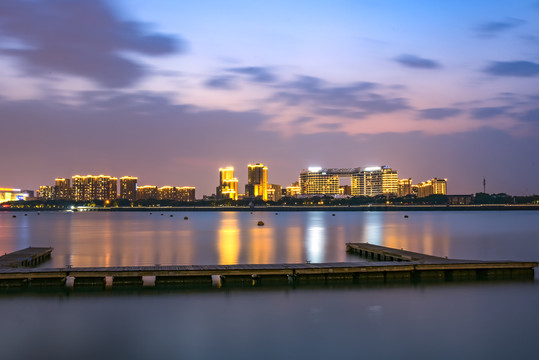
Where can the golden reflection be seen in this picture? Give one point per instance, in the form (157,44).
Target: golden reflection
(294,244)
(261,247)
(229,238)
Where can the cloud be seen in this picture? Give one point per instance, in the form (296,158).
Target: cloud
(438,113)
(417,62)
(488,112)
(494,28)
(86,38)
(323,98)
(531,116)
(512,68)
(224,82)
(256,73)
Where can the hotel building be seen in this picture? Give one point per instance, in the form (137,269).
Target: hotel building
(376,180)
(147,192)
(432,187)
(228,184)
(62,189)
(257,181)
(404,187)
(318,181)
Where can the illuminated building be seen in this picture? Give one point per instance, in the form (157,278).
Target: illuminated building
(404,187)
(62,189)
(228,184)
(318,181)
(92,187)
(128,188)
(47,192)
(293,190)
(375,180)
(257,181)
(345,190)
(8,194)
(147,192)
(185,193)
(432,187)
(275,192)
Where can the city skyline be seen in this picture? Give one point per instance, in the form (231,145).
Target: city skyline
(173,90)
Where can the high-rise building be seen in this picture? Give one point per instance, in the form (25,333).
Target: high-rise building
(90,187)
(147,192)
(62,189)
(228,184)
(46,192)
(128,188)
(275,192)
(376,180)
(317,181)
(432,187)
(404,187)
(257,181)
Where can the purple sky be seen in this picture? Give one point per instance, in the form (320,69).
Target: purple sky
(170,91)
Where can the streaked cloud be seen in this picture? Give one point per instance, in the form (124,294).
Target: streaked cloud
(488,112)
(416,62)
(85,38)
(256,74)
(438,113)
(494,28)
(224,82)
(512,68)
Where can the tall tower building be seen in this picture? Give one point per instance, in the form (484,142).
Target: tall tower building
(432,187)
(404,187)
(257,181)
(228,184)
(128,188)
(318,181)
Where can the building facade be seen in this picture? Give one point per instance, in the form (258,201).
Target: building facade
(432,187)
(404,187)
(90,187)
(128,188)
(147,192)
(377,180)
(184,193)
(318,181)
(275,192)
(62,189)
(257,181)
(228,184)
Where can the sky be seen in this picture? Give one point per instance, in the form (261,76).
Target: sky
(172,90)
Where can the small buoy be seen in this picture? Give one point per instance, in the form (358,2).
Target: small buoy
(276,213)
(185,218)
(150,213)
(332,214)
(260,223)
(161,214)
(171,215)
(14,215)
(38,213)
(406,216)
(251,213)
(25,214)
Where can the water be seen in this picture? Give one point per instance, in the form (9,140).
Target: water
(470,321)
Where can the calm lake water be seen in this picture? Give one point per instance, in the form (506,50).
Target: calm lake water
(448,321)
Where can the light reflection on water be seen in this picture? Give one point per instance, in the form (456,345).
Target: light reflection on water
(443,321)
(141,238)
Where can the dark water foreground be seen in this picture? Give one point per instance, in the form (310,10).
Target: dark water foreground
(449,321)
(480,320)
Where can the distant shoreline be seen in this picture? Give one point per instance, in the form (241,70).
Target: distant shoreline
(374,207)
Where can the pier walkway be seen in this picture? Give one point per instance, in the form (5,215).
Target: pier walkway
(389,265)
(30,256)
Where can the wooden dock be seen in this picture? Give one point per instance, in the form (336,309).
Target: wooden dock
(390,266)
(30,256)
